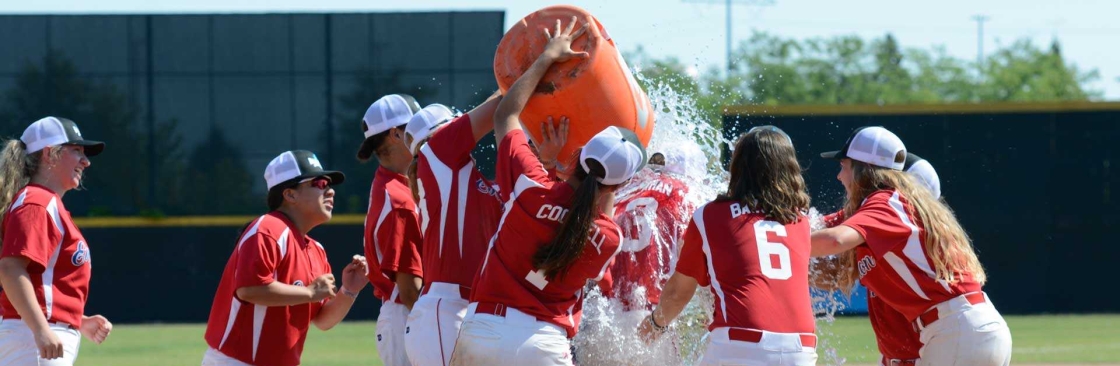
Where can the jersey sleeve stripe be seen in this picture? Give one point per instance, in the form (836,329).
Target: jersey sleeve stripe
(607,263)
(234,308)
(19,200)
(913,249)
(904,272)
(48,273)
(443,174)
(258,323)
(249,233)
(386,206)
(698,218)
(523,183)
(464,188)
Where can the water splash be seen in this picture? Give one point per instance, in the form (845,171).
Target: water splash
(608,333)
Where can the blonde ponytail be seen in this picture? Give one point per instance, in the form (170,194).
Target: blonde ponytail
(16,169)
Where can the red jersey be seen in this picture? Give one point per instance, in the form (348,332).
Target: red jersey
(756,268)
(894,334)
(656,205)
(39,228)
(534,210)
(269,250)
(459,209)
(392,233)
(895,245)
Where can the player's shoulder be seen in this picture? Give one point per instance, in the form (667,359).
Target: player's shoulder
(33,196)
(881,196)
(271,225)
(400,197)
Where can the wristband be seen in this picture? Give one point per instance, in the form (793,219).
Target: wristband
(353,295)
(656,327)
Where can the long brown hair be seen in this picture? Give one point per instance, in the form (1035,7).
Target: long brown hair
(766,176)
(947,245)
(17,167)
(556,257)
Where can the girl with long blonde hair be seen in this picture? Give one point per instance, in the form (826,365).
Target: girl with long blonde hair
(908,248)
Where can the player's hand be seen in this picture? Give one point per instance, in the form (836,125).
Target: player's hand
(646,332)
(553,139)
(559,47)
(50,347)
(354,275)
(322,287)
(96,328)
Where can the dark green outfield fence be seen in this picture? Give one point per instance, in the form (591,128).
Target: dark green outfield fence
(1031,183)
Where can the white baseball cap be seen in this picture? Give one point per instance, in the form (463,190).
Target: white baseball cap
(53,131)
(873,145)
(923,170)
(297,165)
(390,111)
(424,122)
(618,150)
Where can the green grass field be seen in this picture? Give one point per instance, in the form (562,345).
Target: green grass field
(1080,339)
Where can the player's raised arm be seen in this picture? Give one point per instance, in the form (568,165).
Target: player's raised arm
(559,49)
(482,117)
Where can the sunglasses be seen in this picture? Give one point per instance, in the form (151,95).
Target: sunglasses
(318,182)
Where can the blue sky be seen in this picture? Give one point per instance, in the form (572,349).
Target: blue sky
(694,31)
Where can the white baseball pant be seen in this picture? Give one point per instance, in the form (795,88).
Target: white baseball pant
(773,349)
(514,339)
(435,320)
(390,333)
(966,334)
(17,344)
(213,357)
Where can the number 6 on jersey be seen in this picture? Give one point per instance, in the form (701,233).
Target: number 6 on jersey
(769,251)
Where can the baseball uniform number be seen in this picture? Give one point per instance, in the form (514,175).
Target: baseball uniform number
(773,257)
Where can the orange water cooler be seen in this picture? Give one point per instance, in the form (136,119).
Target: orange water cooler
(593,93)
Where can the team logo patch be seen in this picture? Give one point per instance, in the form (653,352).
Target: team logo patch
(298,283)
(865,265)
(314,161)
(81,256)
(76,132)
(486,188)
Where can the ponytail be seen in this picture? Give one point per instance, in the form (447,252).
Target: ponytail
(556,257)
(16,170)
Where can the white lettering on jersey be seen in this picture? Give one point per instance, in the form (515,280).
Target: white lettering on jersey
(865,265)
(550,212)
(738,210)
(597,239)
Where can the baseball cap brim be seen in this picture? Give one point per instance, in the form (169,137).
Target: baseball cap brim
(832,155)
(92,148)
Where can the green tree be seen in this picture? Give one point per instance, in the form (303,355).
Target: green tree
(216,173)
(119,176)
(347,135)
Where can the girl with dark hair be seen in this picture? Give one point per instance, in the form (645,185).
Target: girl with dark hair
(552,238)
(751,246)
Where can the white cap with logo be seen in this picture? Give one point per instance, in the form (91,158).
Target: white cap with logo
(618,150)
(424,122)
(53,131)
(873,145)
(297,165)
